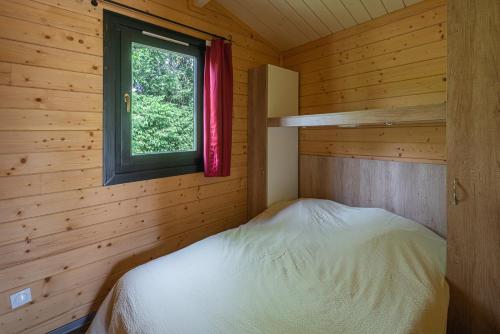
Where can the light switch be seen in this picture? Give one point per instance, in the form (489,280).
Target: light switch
(20,298)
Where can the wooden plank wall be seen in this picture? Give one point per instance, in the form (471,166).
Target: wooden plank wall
(473,266)
(61,233)
(395,60)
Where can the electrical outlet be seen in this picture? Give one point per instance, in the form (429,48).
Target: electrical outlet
(20,298)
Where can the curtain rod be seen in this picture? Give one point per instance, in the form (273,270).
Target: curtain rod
(96,2)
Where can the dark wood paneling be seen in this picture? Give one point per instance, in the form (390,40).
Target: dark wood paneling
(473,138)
(413,190)
(257,141)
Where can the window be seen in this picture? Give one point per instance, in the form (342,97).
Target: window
(153,84)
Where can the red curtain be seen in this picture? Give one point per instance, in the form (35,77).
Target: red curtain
(218,109)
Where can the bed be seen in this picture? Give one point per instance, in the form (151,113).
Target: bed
(309,266)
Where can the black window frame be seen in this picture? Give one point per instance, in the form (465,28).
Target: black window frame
(120,165)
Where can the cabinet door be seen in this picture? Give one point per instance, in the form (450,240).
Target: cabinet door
(473,137)
(282,165)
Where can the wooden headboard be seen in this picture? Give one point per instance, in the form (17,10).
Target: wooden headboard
(413,190)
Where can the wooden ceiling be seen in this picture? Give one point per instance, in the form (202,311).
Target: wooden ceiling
(290,23)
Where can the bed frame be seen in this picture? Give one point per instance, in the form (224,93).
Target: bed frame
(413,190)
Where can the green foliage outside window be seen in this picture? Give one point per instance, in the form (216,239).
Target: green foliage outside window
(162,101)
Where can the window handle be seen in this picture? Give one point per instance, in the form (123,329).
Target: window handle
(126,99)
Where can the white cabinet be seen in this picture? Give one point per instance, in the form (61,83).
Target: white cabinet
(272,152)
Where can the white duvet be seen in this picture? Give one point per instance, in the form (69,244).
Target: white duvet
(316,266)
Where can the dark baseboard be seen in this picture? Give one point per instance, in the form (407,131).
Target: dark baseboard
(74,325)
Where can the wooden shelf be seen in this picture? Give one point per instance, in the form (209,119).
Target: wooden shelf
(432,113)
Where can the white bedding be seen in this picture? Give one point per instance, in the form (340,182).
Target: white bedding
(314,267)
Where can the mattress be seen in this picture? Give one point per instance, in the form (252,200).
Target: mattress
(310,266)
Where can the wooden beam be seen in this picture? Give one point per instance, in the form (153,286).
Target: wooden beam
(414,114)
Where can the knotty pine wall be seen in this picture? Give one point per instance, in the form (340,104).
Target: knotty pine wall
(395,60)
(61,233)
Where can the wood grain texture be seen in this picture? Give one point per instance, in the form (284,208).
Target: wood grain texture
(62,233)
(379,29)
(287,24)
(416,152)
(414,191)
(415,114)
(429,133)
(474,160)
(257,141)
(395,61)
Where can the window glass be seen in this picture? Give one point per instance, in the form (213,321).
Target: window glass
(163,109)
